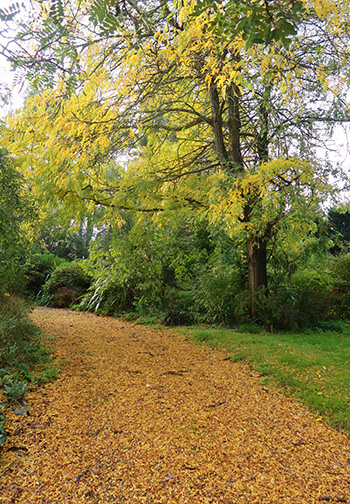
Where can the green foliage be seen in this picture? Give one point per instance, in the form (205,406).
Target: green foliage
(339,230)
(20,341)
(131,280)
(109,294)
(48,374)
(15,326)
(69,244)
(104,18)
(340,271)
(250,327)
(257,22)
(10,199)
(293,307)
(67,284)
(180,309)
(24,360)
(14,389)
(216,287)
(143,263)
(15,208)
(187,274)
(38,270)
(303,297)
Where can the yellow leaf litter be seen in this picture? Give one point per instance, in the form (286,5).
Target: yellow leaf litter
(143,416)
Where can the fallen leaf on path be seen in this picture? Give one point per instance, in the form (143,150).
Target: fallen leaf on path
(124,424)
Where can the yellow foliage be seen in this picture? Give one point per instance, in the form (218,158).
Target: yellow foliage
(64,142)
(280,191)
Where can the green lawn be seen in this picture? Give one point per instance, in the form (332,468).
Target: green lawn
(313,367)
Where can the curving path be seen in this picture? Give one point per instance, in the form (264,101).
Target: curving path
(143,416)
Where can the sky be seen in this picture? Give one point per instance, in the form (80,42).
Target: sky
(6,74)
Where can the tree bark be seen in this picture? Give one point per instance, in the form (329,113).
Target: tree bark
(234,126)
(216,114)
(256,251)
(257,273)
(256,257)
(263,138)
(228,151)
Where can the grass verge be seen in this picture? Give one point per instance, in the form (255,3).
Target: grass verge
(313,367)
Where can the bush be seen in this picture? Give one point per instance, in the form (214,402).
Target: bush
(295,307)
(180,309)
(340,270)
(67,284)
(15,390)
(16,208)
(15,326)
(39,269)
(217,286)
(306,301)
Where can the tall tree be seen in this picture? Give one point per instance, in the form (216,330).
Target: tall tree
(204,121)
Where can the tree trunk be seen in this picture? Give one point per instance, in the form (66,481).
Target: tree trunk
(228,151)
(263,136)
(234,126)
(216,116)
(257,273)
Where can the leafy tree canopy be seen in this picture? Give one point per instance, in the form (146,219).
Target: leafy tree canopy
(160,110)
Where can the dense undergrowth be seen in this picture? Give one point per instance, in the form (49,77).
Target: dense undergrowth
(316,296)
(181,273)
(25,361)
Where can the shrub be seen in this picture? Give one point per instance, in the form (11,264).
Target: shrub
(64,297)
(215,291)
(180,309)
(177,317)
(15,326)
(297,305)
(15,390)
(340,270)
(16,207)
(67,284)
(38,271)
